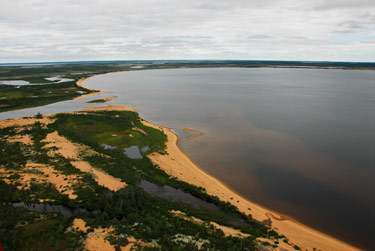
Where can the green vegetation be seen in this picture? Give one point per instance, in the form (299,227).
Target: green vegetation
(97,101)
(130,211)
(25,96)
(21,229)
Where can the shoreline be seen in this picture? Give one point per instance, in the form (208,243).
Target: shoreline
(298,233)
(178,164)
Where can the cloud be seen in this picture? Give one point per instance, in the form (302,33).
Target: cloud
(40,30)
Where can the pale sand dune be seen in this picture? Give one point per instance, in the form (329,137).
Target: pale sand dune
(25,121)
(62,182)
(95,240)
(70,150)
(25,139)
(101,177)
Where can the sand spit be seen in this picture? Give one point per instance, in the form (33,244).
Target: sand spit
(95,92)
(70,150)
(81,80)
(110,107)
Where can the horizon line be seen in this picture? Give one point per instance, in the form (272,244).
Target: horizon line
(186,60)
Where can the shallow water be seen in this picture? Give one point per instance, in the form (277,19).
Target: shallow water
(299,141)
(133,152)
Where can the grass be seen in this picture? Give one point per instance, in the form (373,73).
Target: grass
(97,101)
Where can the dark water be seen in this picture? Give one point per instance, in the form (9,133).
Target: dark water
(299,141)
(64,210)
(175,194)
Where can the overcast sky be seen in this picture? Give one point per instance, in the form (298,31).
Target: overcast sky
(57,30)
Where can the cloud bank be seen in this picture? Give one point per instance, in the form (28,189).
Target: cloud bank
(63,30)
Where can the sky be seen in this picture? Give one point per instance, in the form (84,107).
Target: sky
(78,30)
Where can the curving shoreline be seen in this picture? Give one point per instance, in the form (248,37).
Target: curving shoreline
(179,165)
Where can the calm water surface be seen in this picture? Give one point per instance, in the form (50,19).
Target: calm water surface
(299,141)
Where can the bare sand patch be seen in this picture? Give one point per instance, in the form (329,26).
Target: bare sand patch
(228,231)
(39,174)
(139,130)
(66,148)
(177,164)
(25,178)
(79,224)
(101,177)
(70,150)
(25,139)
(96,240)
(62,182)
(25,121)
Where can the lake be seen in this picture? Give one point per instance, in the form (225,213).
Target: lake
(298,141)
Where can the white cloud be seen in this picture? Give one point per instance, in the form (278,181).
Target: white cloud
(40,30)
